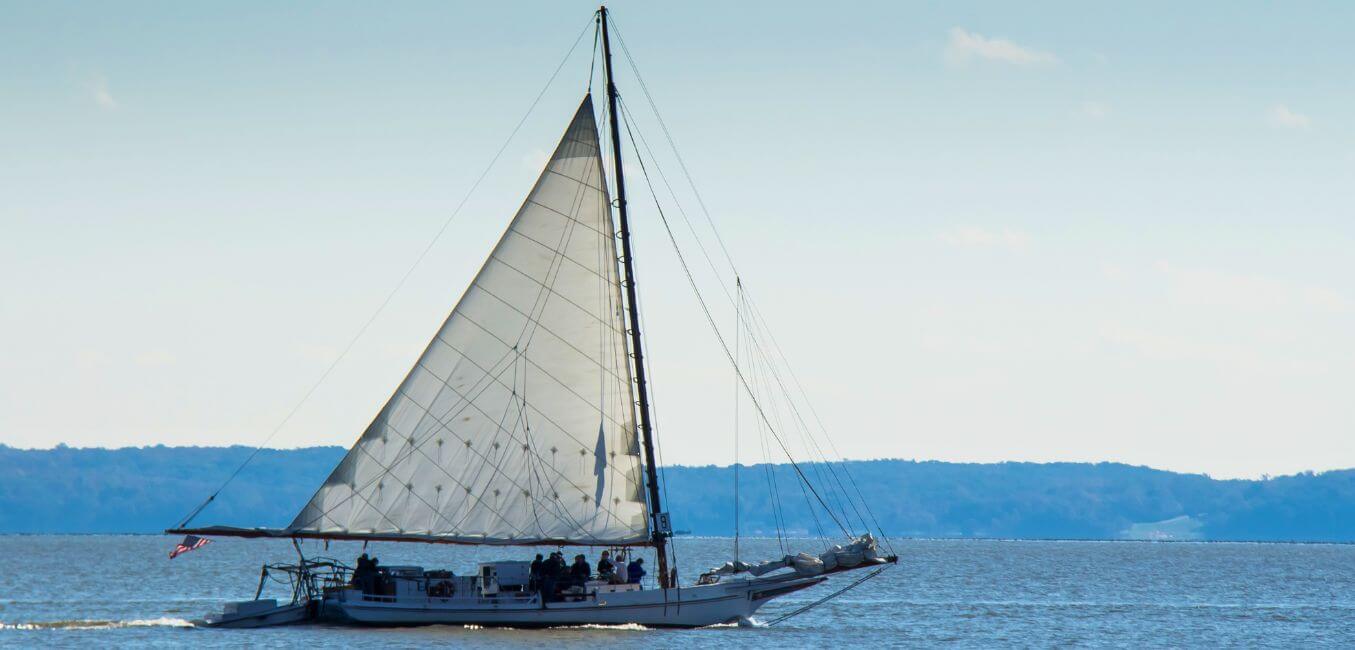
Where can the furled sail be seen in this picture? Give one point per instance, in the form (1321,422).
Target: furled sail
(517,424)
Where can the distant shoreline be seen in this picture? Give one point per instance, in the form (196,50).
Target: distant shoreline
(143,490)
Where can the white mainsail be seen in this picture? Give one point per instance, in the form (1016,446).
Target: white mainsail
(517,424)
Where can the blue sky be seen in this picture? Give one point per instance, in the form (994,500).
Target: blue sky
(981,231)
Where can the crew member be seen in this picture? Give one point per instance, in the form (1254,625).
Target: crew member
(606,570)
(537,566)
(580,572)
(635,571)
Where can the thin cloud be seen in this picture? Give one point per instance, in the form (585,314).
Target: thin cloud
(1285,118)
(102,97)
(965,46)
(156,357)
(1216,288)
(977,237)
(1094,110)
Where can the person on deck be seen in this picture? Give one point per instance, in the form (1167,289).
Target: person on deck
(635,571)
(363,574)
(537,567)
(580,572)
(551,571)
(606,570)
(620,562)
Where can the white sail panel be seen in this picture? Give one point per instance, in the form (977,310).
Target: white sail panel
(517,424)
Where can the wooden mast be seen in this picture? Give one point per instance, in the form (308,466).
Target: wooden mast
(659,533)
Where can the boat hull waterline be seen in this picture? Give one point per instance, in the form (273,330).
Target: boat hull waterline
(698,606)
(694,606)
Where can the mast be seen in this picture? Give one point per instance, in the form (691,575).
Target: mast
(660,533)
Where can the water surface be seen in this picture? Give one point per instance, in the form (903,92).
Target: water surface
(63,591)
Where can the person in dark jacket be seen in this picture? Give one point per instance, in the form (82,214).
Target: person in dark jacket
(580,572)
(552,571)
(635,571)
(364,574)
(605,567)
(537,567)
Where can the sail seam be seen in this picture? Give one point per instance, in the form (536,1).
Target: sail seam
(562,296)
(546,246)
(566,216)
(382,418)
(534,364)
(498,469)
(576,180)
(545,417)
(548,330)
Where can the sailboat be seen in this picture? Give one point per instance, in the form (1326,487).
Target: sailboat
(525,422)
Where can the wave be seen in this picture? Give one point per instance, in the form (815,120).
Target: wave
(97,625)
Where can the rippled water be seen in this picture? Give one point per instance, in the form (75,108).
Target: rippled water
(100,591)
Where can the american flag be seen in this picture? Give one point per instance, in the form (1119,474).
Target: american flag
(189,543)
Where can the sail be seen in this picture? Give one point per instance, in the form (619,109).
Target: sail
(517,424)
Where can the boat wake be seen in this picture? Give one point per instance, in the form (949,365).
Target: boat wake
(97,625)
(623,627)
(632,627)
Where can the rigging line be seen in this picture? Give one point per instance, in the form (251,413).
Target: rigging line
(720,337)
(664,127)
(836,495)
(701,202)
(592,64)
(851,478)
(398,285)
(706,212)
(663,176)
(752,337)
(754,372)
(813,513)
(702,248)
(773,487)
(738,287)
(831,596)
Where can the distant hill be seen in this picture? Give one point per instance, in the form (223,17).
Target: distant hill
(148,489)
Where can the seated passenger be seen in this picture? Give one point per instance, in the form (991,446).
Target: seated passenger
(606,570)
(635,571)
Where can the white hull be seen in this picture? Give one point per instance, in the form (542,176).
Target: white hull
(696,606)
(283,615)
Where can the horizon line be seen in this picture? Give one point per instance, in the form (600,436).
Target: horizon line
(1265,476)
